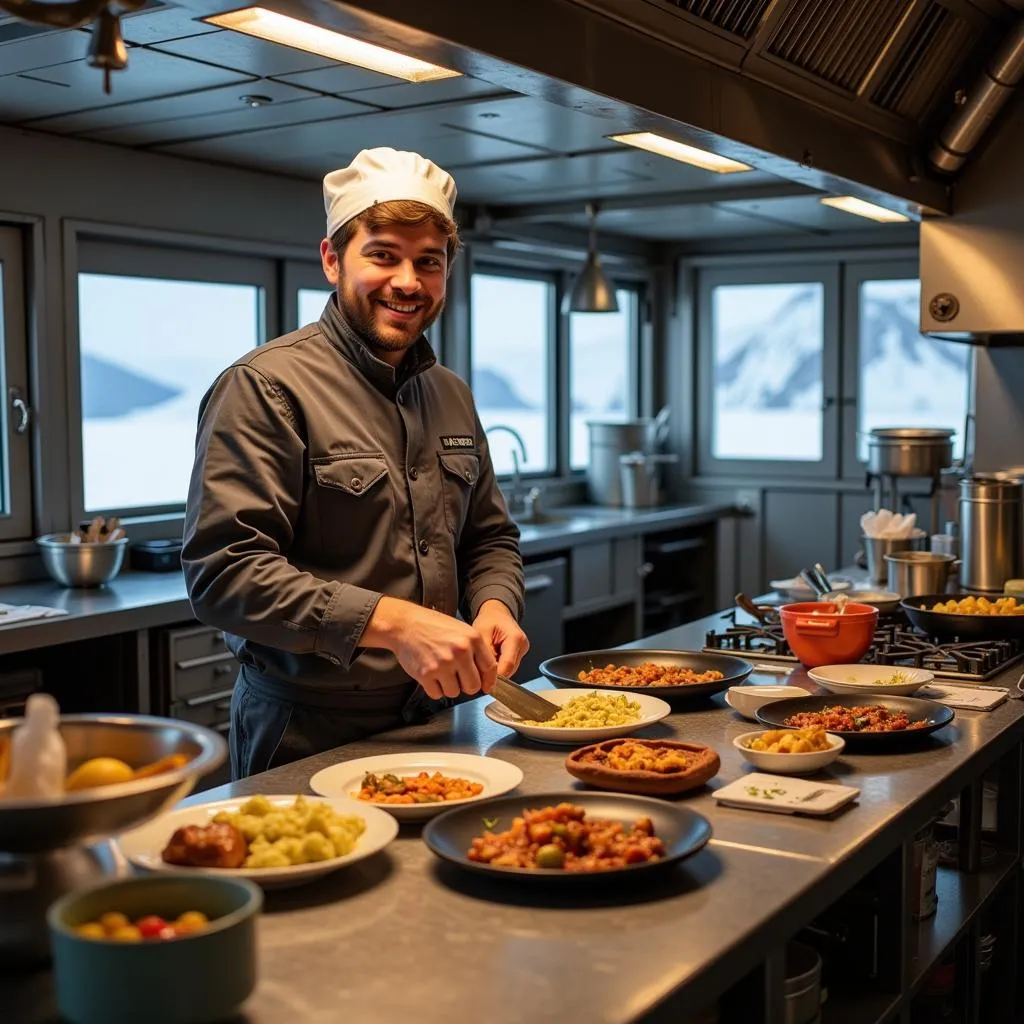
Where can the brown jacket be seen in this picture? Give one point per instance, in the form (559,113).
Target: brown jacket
(323,479)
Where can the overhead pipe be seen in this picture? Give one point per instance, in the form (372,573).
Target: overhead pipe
(986,98)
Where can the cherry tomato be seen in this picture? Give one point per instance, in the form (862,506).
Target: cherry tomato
(150,926)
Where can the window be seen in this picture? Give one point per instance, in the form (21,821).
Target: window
(512,331)
(602,369)
(15,432)
(903,378)
(311,302)
(151,342)
(768,364)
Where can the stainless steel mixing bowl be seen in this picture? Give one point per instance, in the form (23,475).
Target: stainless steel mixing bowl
(81,565)
(38,825)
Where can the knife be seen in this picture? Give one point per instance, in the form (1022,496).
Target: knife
(523,702)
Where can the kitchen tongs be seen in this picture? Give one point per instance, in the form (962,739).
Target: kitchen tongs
(523,702)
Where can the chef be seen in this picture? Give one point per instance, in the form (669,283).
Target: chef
(343,506)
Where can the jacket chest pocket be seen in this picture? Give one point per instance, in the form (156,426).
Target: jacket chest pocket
(354,500)
(459,474)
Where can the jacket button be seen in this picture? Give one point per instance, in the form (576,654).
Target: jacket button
(357,484)
(469,475)
(413,472)
(424,547)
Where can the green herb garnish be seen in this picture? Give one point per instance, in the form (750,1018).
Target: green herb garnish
(489,823)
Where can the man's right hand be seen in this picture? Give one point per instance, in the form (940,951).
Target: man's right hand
(444,655)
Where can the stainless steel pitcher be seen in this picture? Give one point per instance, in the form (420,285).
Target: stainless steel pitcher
(991,532)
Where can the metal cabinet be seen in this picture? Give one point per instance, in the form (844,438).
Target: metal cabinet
(542,614)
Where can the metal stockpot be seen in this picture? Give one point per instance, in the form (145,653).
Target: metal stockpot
(912,573)
(992,532)
(909,451)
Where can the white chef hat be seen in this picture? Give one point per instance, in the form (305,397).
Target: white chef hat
(382,176)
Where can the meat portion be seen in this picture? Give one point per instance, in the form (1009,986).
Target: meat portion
(212,846)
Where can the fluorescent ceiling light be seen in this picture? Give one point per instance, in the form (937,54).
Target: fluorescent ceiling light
(680,151)
(280,28)
(851,204)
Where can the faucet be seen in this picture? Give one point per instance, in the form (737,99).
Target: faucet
(515,496)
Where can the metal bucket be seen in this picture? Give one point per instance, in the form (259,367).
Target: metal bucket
(608,443)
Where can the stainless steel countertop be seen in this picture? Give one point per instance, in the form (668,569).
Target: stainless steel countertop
(510,954)
(142,600)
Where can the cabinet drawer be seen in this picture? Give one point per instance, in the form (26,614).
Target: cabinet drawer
(626,558)
(542,614)
(591,575)
(203,675)
(214,711)
(199,642)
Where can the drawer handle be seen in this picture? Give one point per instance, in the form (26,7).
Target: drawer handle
(209,659)
(209,698)
(222,727)
(535,583)
(645,570)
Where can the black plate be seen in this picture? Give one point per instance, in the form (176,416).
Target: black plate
(949,626)
(937,715)
(564,669)
(682,831)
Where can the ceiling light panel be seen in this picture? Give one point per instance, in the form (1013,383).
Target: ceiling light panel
(681,151)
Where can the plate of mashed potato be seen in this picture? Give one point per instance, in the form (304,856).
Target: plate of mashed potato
(586,716)
(275,841)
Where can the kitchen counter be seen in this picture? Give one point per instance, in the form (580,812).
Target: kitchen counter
(648,951)
(142,600)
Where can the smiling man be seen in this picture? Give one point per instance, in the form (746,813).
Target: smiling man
(343,507)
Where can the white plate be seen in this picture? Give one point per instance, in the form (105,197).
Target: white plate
(143,845)
(747,699)
(798,589)
(864,679)
(788,764)
(652,709)
(346,778)
(785,795)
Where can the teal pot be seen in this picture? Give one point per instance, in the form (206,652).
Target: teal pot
(194,979)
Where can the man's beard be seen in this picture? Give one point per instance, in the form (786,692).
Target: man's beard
(362,317)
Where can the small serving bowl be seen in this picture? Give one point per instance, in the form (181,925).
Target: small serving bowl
(788,764)
(870,679)
(747,699)
(81,565)
(704,765)
(193,979)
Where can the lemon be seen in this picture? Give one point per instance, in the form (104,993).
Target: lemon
(98,771)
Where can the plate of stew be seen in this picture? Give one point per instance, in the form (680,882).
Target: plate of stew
(567,837)
(866,721)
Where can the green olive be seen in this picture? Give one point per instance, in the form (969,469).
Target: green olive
(550,856)
(558,829)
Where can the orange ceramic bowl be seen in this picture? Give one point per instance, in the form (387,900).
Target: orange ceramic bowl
(818,635)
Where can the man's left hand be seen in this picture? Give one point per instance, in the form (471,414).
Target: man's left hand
(498,627)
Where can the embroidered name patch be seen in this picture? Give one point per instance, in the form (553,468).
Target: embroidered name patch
(450,441)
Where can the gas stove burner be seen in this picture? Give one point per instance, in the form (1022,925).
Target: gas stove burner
(761,640)
(896,644)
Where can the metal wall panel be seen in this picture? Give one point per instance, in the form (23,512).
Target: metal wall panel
(800,528)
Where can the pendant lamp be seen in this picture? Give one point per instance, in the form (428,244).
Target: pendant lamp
(592,292)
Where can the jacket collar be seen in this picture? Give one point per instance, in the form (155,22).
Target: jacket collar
(386,378)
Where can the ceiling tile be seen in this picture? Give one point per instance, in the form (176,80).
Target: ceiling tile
(536,123)
(42,51)
(339,79)
(224,99)
(240,119)
(240,52)
(76,86)
(414,94)
(161,25)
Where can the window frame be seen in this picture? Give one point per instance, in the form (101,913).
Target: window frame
(708,278)
(555,401)
(132,257)
(856,273)
(17,523)
(633,384)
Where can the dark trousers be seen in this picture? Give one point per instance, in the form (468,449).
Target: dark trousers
(267,732)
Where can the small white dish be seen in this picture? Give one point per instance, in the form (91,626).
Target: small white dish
(652,709)
(747,699)
(144,845)
(345,779)
(871,679)
(779,795)
(796,589)
(788,764)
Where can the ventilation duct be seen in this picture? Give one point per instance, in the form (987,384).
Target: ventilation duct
(986,98)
